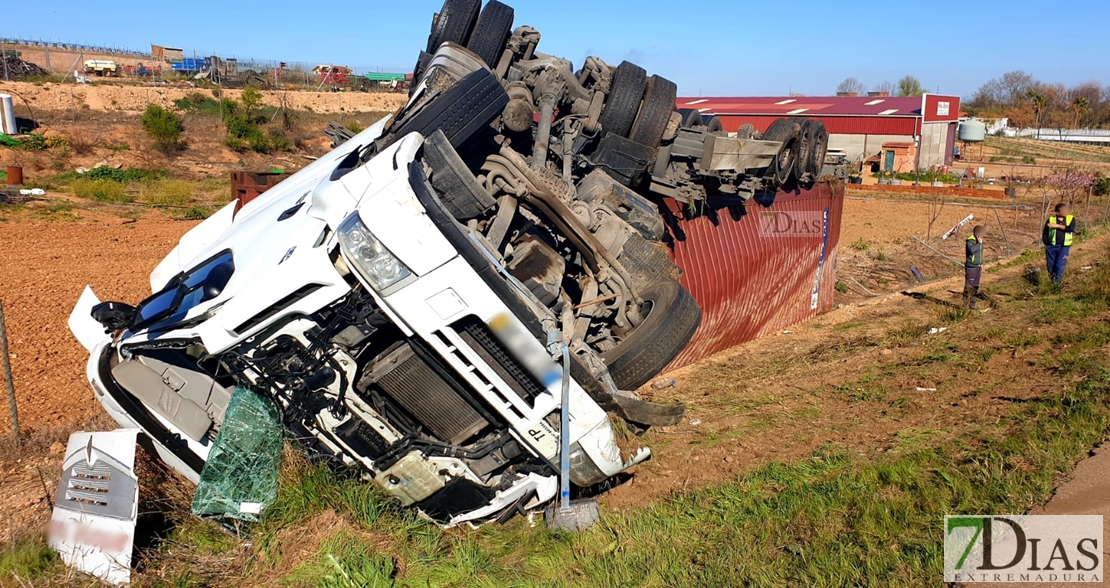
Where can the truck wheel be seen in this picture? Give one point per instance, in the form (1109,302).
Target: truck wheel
(453,23)
(786,131)
(713,124)
(690,117)
(629,81)
(655,112)
(818,147)
(805,142)
(671,322)
(492,32)
(462,111)
(457,187)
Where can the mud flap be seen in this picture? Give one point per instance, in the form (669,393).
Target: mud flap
(653,414)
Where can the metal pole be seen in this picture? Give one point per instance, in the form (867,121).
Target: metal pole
(1003,227)
(564,434)
(8,376)
(927,246)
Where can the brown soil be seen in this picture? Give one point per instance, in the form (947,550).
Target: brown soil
(44,265)
(109,97)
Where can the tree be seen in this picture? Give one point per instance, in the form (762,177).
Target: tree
(164,127)
(251,99)
(1014,86)
(851,86)
(887,88)
(1080,105)
(910,86)
(1039,103)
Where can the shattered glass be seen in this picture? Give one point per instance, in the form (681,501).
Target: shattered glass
(240,478)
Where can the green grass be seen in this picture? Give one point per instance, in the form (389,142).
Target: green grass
(101,191)
(30,558)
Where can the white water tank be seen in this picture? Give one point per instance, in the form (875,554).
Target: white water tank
(973,131)
(7,115)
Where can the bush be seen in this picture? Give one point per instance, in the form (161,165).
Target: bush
(243,133)
(121,175)
(251,99)
(167,192)
(100,190)
(164,127)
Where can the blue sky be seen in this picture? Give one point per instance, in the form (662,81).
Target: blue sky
(710,47)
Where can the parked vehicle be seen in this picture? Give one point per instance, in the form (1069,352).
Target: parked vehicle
(416,299)
(100,67)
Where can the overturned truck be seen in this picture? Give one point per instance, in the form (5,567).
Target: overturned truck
(415,301)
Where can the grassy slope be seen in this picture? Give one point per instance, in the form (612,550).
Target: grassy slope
(835,518)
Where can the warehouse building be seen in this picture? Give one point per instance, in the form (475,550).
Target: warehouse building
(901,133)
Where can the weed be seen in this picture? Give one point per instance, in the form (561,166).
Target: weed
(167,192)
(100,191)
(164,127)
(841,287)
(860,245)
(194,213)
(907,333)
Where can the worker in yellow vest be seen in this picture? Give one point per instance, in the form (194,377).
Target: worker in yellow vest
(1059,233)
(973,265)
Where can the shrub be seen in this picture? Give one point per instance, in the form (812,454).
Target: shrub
(120,175)
(194,213)
(243,132)
(251,99)
(164,127)
(167,192)
(100,190)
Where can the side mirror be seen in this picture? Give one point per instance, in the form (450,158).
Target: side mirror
(114,316)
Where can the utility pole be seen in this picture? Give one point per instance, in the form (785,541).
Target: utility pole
(8,376)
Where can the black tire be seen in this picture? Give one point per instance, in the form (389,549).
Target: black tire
(787,132)
(690,117)
(670,324)
(453,23)
(457,187)
(623,102)
(712,124)
(655,112)
(461,111)
(818,147)
(492,32)
(801,162)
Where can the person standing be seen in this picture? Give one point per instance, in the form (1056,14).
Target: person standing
(1059,232)
(973,266)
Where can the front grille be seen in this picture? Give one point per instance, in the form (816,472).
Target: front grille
(481,339)
(419,389)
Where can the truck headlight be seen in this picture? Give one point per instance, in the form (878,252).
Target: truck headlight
(369,257)
(583,471)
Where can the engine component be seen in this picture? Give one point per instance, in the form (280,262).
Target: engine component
(539,267)
(407,379)
(600,188)
(411,479)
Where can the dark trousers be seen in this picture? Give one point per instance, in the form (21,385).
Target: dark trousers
(1057,257)
(971,284)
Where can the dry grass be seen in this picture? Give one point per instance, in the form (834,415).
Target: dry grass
(167,192)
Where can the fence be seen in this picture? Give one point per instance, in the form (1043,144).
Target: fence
(70,46)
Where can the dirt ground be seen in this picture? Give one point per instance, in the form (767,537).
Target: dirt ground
(108,97)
